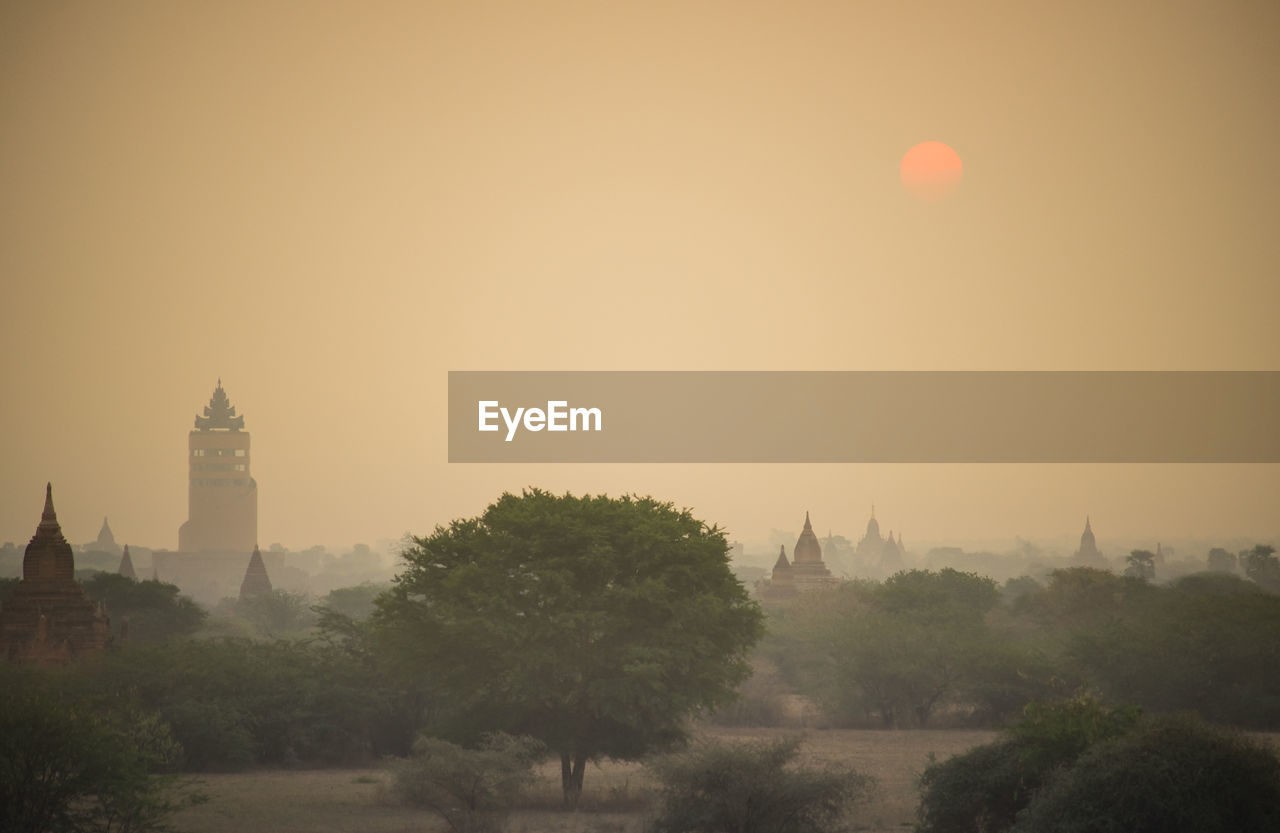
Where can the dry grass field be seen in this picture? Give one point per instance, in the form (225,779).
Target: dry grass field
(615,795)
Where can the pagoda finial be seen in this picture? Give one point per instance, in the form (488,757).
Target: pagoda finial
(219,413)
(807,525)
(873,510)
(48,516)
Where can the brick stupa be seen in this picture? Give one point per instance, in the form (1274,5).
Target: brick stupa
(805,572)
(256,581)
(49,620)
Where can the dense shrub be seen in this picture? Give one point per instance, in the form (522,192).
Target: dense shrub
(72,764)
(760,700)
(1171,775)
(155,611)
(471,789)
(982,790)
(1212,652)
(752,788)
(237,702)
(935,648)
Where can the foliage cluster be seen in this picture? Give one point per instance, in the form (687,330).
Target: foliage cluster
(924,647)
(156,612)
(985,788)
(471,789)
(1076,766)
(752,787)
(1174,774)
(596,624)
(232,703)
(72,763)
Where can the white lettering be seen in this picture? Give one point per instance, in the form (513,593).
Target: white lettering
(512,424)
(585,413)
(486,414)
(558,416)
(554,413)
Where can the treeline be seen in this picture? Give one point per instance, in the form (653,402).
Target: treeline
(235,703)
(948,648)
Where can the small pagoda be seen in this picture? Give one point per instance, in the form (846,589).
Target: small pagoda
(256,581)
(126,566)
(805,572)
(1089,554)
(49,620)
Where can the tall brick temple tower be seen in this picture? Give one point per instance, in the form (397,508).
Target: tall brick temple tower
(49,620)
(222,498)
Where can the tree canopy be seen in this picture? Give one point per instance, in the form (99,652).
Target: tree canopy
(594,624)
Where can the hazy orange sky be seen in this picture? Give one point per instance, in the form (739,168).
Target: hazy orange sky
(330,205)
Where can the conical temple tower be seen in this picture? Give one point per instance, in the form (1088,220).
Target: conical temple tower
(126,565)
(806,570)
(256,581)
(49,620)
(106,541)
(781,583)
(1089,554)
(807,567)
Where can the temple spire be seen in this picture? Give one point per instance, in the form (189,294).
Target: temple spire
(48,517)
(48,555)
(126,565)
(219,413)
(256,581)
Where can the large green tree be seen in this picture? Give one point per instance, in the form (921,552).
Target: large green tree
(155,610)
(904,649)
(595,624)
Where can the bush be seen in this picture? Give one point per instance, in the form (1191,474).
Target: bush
(752,788)
(983,790)
(72,766)
(471,789)
(759,702)
(232,703)
(1170,775)
(156,611)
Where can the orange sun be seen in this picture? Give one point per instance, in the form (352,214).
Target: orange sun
(931,171)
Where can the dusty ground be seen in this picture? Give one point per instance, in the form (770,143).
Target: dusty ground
(614,794)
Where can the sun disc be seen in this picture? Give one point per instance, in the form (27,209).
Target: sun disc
(931,171)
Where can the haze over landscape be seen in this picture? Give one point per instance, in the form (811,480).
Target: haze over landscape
(251,251)
(329,210)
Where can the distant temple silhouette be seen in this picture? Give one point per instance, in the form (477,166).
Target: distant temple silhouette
(805,573)
(126,565)
(256,581)
(222,508)
(1088,555)
(49,620)
(106,542)
(222,498)
(878,555)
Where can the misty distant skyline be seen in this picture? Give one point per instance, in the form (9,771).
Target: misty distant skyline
(331,208)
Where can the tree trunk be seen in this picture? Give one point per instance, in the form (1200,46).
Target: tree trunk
(572,768)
